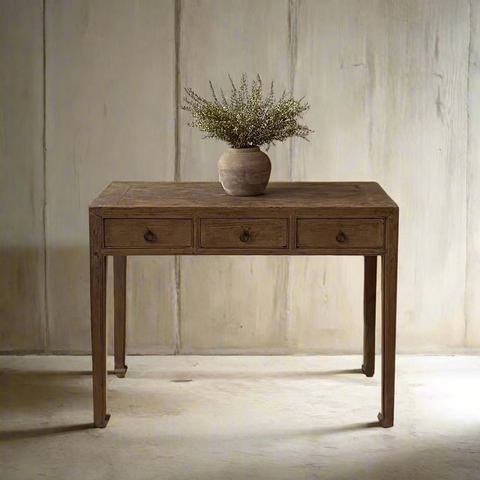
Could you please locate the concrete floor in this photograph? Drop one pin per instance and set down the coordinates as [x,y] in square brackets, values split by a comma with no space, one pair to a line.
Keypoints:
[300,417]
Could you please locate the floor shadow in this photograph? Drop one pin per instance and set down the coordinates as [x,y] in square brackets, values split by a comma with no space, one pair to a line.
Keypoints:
[45,373]
[49,373]
[8,435]
[313,432]
[24,391]
[343,428]
[318,432]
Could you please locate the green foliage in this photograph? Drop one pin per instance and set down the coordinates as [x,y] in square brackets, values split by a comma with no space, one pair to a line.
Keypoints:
[248,119]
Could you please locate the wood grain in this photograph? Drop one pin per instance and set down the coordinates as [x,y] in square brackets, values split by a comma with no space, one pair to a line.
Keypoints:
[142,196]
[389,322]
[120,314]
[340,233]
[244,234]
[109,76]
[22,246]
[98,315]
[369,312]
[151,233]
[267,235]
[217,227]
[244,251]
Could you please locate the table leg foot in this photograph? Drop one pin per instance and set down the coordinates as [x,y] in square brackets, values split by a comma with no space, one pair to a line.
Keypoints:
[121,371]
[383,422]
[368,371]
[102,423]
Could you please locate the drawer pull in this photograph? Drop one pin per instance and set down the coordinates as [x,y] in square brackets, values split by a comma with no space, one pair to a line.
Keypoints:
[149,236]
[341,237]
[245,237]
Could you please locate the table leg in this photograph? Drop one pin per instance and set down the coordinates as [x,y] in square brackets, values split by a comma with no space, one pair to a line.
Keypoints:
[389,317]
[98,297]
[369,307]
[120,304]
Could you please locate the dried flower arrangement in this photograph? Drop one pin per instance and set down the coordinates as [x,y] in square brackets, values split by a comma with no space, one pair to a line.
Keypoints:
[249,119]
[246,122]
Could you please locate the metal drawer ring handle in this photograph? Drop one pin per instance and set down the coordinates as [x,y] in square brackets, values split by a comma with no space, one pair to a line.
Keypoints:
[245,236]
[149,236]
[341,237]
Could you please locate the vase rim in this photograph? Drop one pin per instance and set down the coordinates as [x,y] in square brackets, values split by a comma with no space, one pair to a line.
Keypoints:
[245,149]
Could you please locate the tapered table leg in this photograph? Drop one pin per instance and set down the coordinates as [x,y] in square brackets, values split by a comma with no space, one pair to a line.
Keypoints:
[120,314]
[98,296]
[369,307]
[389,319]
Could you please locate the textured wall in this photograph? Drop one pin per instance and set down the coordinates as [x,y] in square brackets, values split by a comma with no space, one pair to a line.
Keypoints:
[395,92]
[472,314]
[22,247]
[231,302]
[389,80]
[110,75]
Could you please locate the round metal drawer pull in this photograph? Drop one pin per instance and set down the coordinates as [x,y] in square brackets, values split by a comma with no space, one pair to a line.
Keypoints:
[245,237]
[149,236]
[341,237]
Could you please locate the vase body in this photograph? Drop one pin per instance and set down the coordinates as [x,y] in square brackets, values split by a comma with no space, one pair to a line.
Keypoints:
[244,172]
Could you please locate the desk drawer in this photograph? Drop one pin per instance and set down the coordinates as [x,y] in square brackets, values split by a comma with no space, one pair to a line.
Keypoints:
[340,233]
[244,233]
[148,233]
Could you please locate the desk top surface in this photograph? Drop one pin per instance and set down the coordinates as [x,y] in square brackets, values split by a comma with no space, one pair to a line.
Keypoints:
[165,195]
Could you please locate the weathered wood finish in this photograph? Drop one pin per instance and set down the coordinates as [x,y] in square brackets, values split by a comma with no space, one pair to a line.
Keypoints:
[389,321]
[269,225]
[340,233]
[120,313]
[98,302]
[132,208]
[148,233]
[156,198]
[244,234]
[369,311]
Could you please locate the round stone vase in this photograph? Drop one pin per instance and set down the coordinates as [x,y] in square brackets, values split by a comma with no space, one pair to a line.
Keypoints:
[244,172]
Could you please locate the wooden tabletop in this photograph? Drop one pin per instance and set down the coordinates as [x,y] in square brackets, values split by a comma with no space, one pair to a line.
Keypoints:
[121,196]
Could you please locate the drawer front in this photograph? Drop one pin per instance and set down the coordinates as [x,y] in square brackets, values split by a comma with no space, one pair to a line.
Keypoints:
[244,233]
[146,233]
[340,233]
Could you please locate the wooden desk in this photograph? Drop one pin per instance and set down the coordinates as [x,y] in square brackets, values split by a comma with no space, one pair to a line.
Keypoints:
[167,218]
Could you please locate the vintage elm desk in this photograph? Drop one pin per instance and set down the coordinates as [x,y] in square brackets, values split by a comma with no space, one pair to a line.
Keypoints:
[168,218]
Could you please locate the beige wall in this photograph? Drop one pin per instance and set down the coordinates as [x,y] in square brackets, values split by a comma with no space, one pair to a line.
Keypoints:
[395,92]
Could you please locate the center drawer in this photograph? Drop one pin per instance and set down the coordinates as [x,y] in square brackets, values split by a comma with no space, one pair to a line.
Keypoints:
[148,233]
[244,233]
